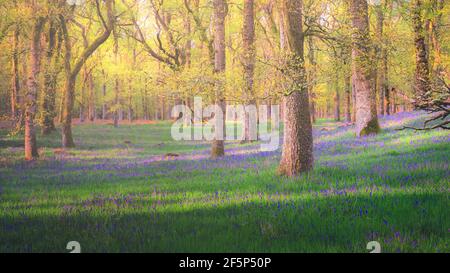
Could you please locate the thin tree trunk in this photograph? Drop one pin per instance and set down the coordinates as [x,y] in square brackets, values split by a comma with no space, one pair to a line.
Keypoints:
[15,85]
[353,100]
[83,94]
[116,102]
[329,108]
[248,60]
[31,151]
[337,100]
[130,102]
[381,54]
[297,156]
[366,111]
[91,88]
[388,4]
[104,96]
[220,13]
[348,99]
[312,77]
[188,45]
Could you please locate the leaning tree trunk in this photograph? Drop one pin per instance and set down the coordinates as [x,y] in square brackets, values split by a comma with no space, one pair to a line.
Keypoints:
[72,73]
[297,156]
[248,60]
[220,12]
[31,151]
[366,111]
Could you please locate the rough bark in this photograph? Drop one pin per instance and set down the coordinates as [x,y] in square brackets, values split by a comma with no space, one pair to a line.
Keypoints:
[297,156]
[366,111]
[31,151]
[220,13]
[422,84]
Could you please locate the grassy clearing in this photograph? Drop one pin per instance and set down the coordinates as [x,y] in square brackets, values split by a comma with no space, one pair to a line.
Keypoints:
[117,193]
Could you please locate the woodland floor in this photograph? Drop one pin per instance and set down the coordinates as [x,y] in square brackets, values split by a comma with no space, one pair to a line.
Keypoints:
[119,192]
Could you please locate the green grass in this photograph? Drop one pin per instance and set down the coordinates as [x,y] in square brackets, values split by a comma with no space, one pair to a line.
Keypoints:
[117,197]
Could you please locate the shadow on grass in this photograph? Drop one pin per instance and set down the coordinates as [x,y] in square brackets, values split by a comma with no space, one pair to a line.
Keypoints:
[400,222]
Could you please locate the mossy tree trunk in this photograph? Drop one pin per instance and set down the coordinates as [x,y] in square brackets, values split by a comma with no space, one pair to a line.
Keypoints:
[362,70]
[422,84]
[48,100]
[297,156]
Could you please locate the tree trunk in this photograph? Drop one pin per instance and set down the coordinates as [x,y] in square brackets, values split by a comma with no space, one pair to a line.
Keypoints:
[220,13]
[188,45]
[337,101]
[381,59]
[348,99]
[297,156]
[435,29]
[83,94]
[67,138]
[31,151]
[353,100]
[248,60]
[15,84]
[312,77]
[69,90]
[48,111]
[329,108]
[91,88]
[116,103]
[366,111]
[72,73]
[104,95]
[130,104]
[422,84]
